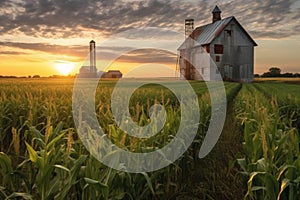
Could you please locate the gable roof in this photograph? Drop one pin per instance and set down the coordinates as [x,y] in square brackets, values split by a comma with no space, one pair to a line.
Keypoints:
[206,34]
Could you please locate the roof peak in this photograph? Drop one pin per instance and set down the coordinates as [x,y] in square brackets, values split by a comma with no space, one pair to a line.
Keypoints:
[216,10]
[224,19]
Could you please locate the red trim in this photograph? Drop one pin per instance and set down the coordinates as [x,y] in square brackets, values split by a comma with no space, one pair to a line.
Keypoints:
[207,48]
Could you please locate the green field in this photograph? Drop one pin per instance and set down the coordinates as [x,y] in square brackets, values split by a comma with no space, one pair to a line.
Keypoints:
[42,157]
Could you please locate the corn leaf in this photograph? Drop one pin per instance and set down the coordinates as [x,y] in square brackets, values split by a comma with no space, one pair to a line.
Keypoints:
[32,153]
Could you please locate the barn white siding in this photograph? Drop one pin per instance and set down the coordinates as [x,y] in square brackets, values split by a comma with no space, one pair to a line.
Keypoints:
[201,62]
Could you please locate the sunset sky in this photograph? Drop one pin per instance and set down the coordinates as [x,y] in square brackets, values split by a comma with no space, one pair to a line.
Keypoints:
[49,37]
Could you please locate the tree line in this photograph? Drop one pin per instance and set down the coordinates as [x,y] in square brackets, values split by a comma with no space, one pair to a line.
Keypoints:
[276,72]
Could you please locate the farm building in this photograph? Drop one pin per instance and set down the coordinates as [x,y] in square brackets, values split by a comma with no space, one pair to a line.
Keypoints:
[222,46]
[85,72]
[91,70]
[112,74]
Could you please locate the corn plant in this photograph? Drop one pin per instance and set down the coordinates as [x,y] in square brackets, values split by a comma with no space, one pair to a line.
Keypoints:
[270,166]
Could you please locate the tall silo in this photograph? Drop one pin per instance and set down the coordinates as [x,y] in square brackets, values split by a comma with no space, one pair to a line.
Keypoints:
[93,69]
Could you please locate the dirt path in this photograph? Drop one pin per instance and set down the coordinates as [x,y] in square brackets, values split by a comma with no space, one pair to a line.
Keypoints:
[214,177]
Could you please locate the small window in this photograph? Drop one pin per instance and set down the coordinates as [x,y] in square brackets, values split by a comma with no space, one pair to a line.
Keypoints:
[228,32]
[217,58]
[218,49]
[202,70]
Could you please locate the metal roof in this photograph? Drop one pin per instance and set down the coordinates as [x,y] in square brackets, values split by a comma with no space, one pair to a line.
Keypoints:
[206,34]
[216,10]
[211,31]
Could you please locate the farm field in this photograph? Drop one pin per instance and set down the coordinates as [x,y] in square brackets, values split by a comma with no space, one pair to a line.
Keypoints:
[284,80]
[42,156]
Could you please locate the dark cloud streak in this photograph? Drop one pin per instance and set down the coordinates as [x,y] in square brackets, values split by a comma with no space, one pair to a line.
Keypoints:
[149,56]
[78,51]
[103,52]
[11,53]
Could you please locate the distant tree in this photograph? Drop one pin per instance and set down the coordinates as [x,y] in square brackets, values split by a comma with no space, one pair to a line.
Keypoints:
[36,76]
[276,72]
[266,74]
[288,75]
[256,75]
[29,76]
[273,72]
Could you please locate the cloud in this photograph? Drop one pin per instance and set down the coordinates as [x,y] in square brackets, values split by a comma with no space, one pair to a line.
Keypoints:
[266,19]
[73,18]
[149,56]
[78,51]
[11,53]
[141,56]
[68,18]
[103,52]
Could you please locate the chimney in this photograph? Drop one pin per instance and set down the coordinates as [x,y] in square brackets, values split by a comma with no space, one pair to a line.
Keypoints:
[92,56]
[189,27]
[216,14]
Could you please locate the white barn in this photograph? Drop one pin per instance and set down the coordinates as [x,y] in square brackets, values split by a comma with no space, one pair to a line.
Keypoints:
[222,46]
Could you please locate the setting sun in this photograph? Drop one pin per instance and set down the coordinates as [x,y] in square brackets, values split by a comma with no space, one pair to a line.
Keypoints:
[64,67]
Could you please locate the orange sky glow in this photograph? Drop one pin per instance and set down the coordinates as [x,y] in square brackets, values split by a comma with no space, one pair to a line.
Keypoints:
[46,49]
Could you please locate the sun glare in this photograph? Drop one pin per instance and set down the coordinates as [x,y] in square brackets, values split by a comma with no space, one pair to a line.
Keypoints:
[64,67]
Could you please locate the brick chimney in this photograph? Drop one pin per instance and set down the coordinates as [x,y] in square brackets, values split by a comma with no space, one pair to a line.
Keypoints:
[216,14]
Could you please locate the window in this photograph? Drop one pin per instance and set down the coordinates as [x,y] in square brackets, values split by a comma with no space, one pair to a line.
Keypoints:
[202,70]
[218,49]
[228,32]
[217,58]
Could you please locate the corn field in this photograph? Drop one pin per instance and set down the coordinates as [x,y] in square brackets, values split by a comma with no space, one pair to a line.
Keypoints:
[42,156]
[269,114]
